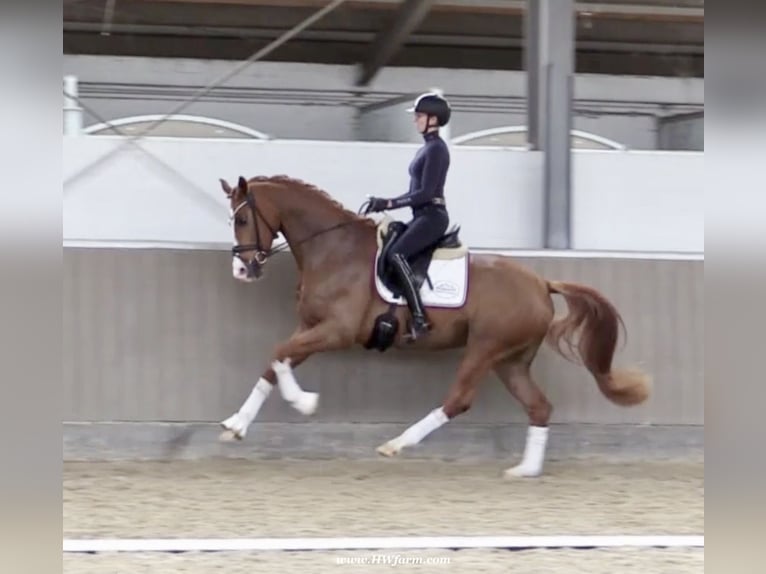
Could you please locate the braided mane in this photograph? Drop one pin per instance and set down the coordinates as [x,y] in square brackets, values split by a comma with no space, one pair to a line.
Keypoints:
[310,189]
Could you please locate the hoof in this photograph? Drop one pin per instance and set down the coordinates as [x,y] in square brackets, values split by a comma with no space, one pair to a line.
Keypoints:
[233,429]
[307,403]
[520,471]
[229,436]
[388,450]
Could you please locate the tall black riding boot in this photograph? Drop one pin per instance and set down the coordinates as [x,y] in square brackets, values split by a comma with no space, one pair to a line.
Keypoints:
[420,324]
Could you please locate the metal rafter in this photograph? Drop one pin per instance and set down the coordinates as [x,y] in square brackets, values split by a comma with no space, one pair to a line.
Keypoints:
[108,16]
[409,16]
[258,55]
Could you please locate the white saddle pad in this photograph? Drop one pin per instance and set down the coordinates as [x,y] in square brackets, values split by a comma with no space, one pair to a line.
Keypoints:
[449,278]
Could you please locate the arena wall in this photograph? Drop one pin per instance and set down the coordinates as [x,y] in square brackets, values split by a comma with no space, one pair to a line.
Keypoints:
[168,335]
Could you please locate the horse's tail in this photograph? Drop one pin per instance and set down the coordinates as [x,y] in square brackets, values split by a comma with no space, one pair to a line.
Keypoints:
[600,322]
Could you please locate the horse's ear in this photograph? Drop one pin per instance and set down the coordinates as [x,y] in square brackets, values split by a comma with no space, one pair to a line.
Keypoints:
[242,185]
[226,187]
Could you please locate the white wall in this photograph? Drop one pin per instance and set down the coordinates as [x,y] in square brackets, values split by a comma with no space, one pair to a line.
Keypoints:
[622,200]
[652,201]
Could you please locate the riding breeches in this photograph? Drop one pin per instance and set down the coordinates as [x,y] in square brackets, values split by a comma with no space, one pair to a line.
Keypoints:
[421,232]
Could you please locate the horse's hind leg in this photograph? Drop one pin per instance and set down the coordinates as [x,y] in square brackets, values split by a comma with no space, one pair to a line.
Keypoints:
[474,367]
[516,376]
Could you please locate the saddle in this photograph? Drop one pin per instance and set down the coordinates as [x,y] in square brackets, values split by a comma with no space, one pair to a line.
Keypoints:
[448,246]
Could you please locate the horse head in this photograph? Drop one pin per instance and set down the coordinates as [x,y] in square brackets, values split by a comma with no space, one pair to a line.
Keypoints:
[264,206]
[256,223]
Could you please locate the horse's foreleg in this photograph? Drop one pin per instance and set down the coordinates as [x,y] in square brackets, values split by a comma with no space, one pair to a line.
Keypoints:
[305,402]
[517,379]
[322,337]
[473,368]
[237,424]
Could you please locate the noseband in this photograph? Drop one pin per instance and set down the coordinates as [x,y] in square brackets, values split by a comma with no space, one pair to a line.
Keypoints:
[260,255]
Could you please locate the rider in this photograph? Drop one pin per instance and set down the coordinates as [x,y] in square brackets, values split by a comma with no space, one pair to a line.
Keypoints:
[428,172]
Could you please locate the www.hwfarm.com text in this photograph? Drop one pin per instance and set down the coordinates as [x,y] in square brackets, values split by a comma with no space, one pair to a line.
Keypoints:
[393,560]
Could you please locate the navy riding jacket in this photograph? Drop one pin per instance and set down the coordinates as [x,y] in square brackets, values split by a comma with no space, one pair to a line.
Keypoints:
[428,172]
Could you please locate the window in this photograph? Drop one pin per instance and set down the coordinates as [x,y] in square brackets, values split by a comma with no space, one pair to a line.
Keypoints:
[516,137]
[177,126]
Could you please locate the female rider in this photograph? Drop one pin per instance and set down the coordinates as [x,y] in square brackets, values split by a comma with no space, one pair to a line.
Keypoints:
[428,172]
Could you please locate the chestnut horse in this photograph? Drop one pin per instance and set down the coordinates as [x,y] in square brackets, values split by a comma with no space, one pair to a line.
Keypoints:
[507,314]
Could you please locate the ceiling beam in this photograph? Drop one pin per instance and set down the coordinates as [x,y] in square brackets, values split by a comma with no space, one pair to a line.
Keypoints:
[409,16]
[666,10]
[466,40]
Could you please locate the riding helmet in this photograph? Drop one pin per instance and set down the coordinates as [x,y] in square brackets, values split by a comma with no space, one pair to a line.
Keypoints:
[433,104]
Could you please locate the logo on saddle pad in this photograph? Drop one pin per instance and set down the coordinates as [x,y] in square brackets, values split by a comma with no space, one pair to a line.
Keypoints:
[446,289]
[441,271]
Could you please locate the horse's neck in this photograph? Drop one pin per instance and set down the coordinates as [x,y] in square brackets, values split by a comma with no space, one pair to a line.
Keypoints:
[311,226]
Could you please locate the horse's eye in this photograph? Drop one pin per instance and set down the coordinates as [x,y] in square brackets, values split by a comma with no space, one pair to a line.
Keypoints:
[240,221]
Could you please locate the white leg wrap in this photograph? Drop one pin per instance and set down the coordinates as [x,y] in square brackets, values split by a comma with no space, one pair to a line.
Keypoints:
[415,433]
[423,428]
[288,386]
[303,401]
[241,420]
[534,454]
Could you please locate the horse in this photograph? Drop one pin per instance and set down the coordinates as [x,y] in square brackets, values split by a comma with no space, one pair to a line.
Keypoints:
[345,298]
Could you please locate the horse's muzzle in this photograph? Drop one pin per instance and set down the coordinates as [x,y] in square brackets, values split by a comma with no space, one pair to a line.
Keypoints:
[246,271]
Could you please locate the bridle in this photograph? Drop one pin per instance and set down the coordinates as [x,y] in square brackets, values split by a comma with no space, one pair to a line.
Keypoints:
[261,255]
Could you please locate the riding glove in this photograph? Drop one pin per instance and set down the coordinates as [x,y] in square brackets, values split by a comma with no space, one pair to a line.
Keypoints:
[378,204]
